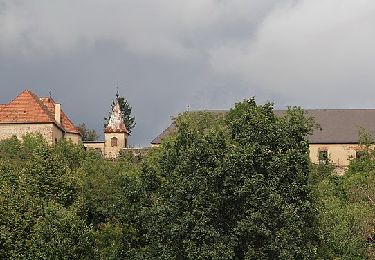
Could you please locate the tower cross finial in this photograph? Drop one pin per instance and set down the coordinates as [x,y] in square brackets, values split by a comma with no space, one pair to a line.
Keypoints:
[117,95]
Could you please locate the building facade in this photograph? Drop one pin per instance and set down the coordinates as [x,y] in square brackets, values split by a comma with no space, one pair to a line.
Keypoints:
[335,141]
[28,113]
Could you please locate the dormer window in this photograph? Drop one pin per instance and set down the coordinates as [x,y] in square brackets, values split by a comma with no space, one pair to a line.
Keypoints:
[114,141]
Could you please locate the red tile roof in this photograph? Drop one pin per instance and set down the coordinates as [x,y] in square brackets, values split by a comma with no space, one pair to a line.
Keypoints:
[64,120]
[28,108]
[120,129]
[68,125]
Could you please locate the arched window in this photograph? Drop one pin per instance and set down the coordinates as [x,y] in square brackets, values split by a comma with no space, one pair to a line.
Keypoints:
[114,141]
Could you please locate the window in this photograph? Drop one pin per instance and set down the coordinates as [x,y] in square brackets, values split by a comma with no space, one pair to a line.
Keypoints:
[323,157]
[114,141]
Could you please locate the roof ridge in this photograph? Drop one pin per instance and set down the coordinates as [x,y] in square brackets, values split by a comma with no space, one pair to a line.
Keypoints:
[49,98]
[26,107]
[65,122]
[40,103]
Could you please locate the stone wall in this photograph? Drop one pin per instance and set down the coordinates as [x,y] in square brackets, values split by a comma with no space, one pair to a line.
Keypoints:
[75,138]
[57,134]
[49,131]
[97,146]
[113,151]
[338,154]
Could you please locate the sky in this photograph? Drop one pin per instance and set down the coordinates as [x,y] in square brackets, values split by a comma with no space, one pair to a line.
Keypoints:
[167,55]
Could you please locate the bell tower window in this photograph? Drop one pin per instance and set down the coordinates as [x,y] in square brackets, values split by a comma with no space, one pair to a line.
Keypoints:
[114,141]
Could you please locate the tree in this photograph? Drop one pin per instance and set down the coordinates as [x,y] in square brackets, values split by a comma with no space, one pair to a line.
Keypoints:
[233,187]
[87,134]
[126,111]
[346,206]
[62,202]
[38,193]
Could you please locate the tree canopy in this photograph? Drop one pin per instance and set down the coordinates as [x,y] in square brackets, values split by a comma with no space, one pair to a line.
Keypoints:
[346,206]
[87,134]
[126,111]
[234,185]
[61,202]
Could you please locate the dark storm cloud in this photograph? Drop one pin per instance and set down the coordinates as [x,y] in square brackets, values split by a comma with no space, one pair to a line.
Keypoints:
[167,54]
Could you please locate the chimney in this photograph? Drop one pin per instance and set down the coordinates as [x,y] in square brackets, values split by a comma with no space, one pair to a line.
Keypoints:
[58,113]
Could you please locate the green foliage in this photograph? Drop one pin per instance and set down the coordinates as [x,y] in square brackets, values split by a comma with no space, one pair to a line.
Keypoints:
[87,134]
[60,202]
[346,207]
[224,186]
[126,111]
[36,192]
[60,234]
[232,187]
[344,224]
[11,149]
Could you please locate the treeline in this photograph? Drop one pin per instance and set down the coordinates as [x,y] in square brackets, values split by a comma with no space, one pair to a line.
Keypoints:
[233,186]
[345,207]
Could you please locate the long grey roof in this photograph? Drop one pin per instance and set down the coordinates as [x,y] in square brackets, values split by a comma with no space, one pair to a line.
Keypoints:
[337,126]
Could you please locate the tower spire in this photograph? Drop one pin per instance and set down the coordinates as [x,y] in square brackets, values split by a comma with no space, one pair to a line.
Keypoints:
[116,123]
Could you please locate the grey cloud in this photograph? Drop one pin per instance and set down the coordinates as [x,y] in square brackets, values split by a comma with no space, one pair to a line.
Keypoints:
[318,53]
[161,27]
[167,54]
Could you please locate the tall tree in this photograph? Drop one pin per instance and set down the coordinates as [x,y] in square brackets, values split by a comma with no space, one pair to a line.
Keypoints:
[346,205]
[233,187]
[87,134]
[39,187]
[126,111]
[62,202]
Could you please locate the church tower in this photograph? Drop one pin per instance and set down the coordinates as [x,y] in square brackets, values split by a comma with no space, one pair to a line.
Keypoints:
[115,133]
